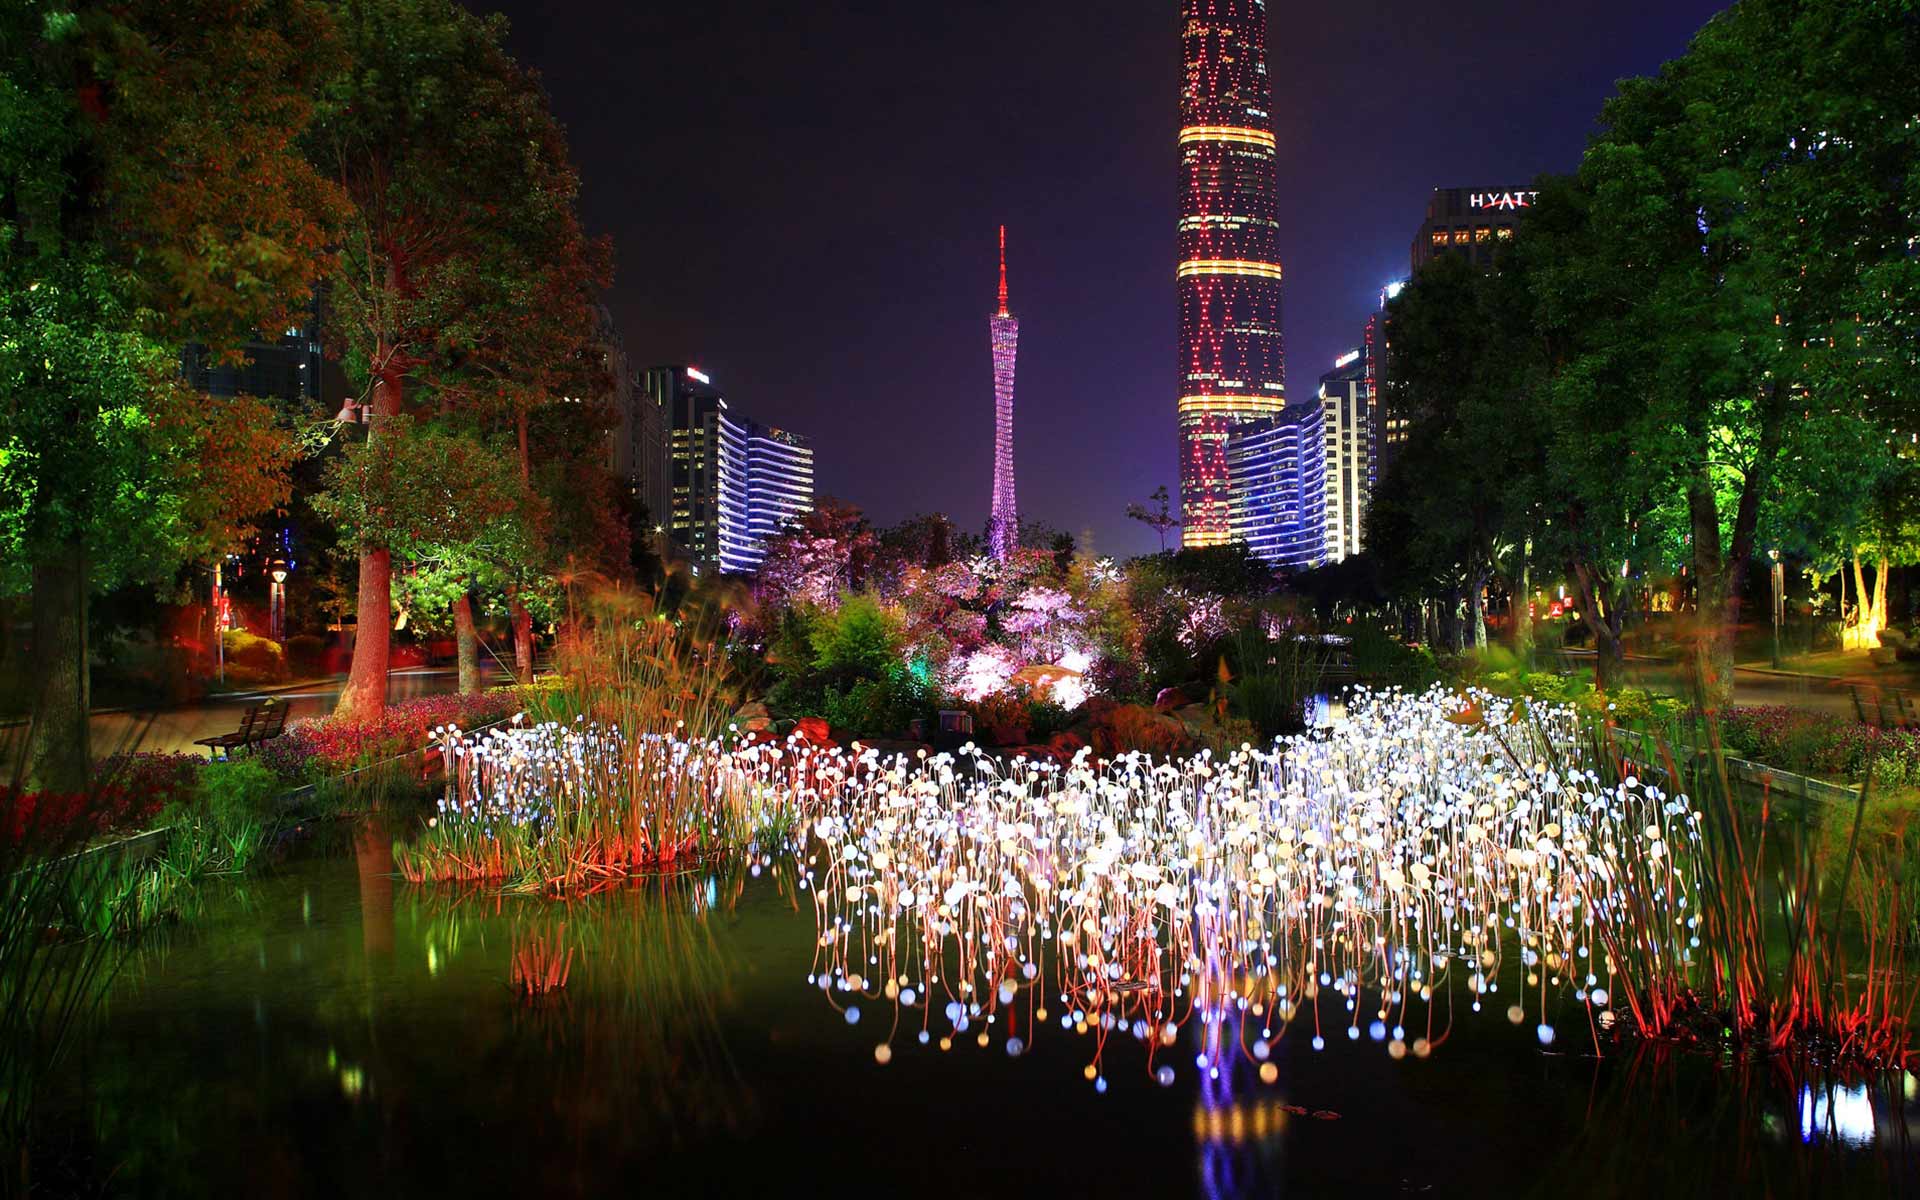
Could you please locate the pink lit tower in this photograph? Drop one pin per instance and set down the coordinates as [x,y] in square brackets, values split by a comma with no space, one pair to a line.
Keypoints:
[1003,524]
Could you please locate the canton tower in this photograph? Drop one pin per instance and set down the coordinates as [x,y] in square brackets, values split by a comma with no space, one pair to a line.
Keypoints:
[1003,523]
[1228,279]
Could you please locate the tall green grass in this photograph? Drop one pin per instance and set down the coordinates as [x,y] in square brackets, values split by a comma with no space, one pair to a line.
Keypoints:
[1802,941]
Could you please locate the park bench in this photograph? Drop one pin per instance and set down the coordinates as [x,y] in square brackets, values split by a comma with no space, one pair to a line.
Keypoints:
[1888,708]
[263,722]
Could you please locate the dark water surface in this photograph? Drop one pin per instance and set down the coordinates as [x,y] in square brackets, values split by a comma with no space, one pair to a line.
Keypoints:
[328,1030]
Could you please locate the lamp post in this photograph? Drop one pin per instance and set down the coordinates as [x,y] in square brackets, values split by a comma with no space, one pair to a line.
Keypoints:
[1779,602]
[277,601]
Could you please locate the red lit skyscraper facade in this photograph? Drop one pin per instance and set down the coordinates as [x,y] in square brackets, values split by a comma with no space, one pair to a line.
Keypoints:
[1228,279]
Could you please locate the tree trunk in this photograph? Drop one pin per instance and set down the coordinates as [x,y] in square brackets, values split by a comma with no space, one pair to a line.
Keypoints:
[468,643]
[1722,577]
[1880,594]
[1452,628]
[1477,611]
[522,641]
[1523,608]
[1718,601]
[366,692]
[58,750]
[522,619]
[1603,620]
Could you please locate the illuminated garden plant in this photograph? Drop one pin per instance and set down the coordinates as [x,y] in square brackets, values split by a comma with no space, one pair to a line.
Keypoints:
[1363,879]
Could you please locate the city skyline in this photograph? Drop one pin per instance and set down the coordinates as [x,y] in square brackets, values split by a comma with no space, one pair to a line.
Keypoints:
[833,277]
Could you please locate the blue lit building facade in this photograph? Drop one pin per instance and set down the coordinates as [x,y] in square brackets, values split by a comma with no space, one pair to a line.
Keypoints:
[1277,502]
[734,482]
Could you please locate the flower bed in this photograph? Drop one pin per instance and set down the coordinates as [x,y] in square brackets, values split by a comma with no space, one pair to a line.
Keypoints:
[1811,743]
[331,745]
[128,791]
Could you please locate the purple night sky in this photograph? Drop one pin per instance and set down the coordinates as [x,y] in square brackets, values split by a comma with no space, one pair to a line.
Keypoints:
[804,198]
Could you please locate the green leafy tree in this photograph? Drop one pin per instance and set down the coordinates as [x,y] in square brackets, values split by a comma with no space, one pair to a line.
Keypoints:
[151,192]
[1753,203]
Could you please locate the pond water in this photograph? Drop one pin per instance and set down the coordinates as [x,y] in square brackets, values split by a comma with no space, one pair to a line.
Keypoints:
[326,1029]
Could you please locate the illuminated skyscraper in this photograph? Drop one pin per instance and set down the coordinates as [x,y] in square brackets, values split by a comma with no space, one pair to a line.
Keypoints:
[1279,495]
[735,481]
[1003,522]
[1347,427]
[1228,279]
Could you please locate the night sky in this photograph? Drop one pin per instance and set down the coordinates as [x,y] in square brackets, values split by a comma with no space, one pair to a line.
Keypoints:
[803,201]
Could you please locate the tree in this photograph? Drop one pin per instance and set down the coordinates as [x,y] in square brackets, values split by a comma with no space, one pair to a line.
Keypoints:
[1159,517]
[1752,206]
[827,550]
[448,152]
[1466,372]
[151,192]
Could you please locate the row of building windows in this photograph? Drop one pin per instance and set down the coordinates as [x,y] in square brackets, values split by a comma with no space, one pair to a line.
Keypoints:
[1464,235]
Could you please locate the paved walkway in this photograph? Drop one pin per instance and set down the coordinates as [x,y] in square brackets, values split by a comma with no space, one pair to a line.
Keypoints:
[178,728]
[1751,684]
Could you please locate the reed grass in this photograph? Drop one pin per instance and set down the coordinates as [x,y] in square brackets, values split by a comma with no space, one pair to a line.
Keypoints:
[1794,958]
[619,774]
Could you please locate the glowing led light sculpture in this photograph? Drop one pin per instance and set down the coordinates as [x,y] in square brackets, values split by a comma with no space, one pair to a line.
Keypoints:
[1003,526]
[1228,276]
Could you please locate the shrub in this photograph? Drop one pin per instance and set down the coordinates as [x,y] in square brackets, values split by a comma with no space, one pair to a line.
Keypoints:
[311,750]
[1046,718]
[306,652]
[1379,657]
[877,707]
[252,659]
[129,791]
[237,790]
[861,638]
[1627,705]
[1001,718]
[1129,727]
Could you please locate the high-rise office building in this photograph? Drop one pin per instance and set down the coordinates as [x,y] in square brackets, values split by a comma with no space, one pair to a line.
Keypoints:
[639,439]
[1347,426]
[1376,343]
[1003,330]
[1278,497]
[1469,221]
[1232,368]
[733,481]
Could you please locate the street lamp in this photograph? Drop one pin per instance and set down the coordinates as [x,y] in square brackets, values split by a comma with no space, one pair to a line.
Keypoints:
[277,600]
[1779,602]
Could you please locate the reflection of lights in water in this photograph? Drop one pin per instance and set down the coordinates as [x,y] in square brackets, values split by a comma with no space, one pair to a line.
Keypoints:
[1843,1114]
[1326,711]
[1344,878]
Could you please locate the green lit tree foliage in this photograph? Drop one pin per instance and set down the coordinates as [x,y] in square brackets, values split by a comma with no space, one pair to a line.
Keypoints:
[1712,320]
[1754,204]
[151,192]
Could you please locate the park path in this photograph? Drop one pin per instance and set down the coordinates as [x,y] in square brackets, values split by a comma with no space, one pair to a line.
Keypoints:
[1751,685]
[176,729]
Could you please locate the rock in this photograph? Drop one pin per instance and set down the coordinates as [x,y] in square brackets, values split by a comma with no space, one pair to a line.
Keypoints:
[815,731]
[1169,699]
[1066,742]
[752,717]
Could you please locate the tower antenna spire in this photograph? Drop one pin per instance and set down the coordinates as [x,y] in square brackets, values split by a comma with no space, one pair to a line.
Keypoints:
[1003,271]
